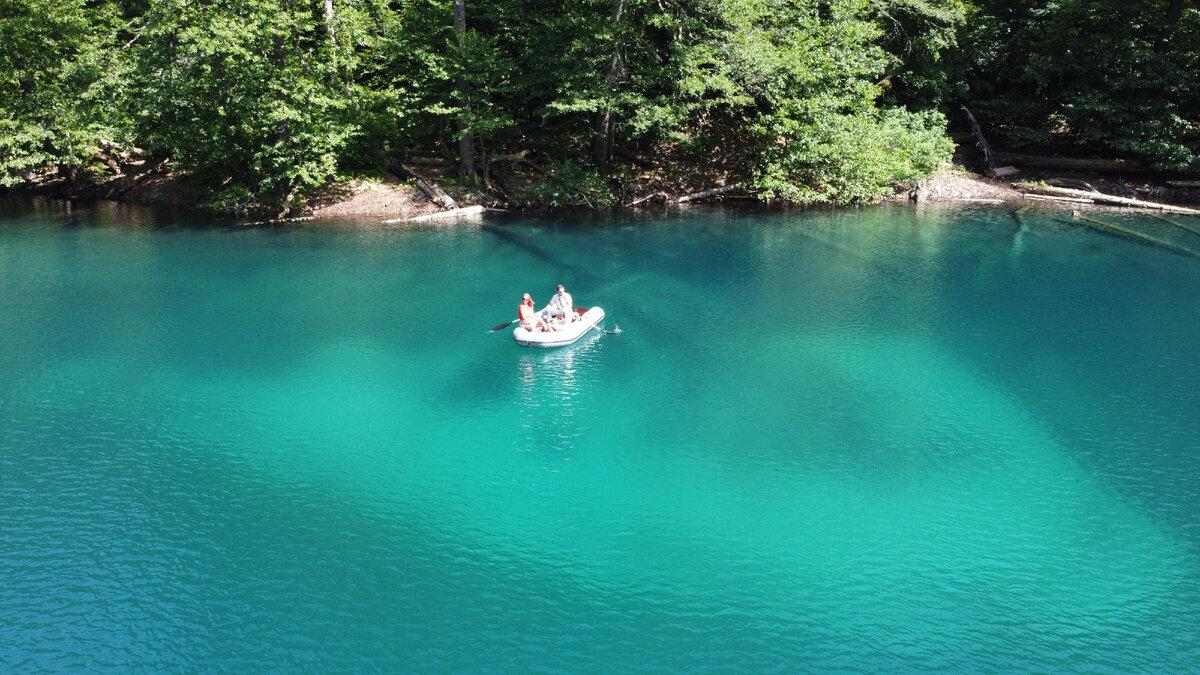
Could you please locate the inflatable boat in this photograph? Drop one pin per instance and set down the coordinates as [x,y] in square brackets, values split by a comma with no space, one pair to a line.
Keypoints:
[566,334]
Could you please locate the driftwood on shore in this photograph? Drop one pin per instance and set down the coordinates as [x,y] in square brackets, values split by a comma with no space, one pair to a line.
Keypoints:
[431,190]
[705,194]
[1052,198]
[653,196]
[276,221]
[1101,198]
[464,212]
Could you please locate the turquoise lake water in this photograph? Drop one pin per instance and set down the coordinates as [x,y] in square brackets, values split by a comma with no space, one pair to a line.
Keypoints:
[953,439]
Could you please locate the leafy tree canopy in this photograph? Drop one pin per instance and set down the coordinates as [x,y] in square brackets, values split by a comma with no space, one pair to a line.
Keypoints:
[802,100]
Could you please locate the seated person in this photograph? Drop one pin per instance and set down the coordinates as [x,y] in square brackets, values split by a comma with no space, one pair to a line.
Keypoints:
[528,316]
[561,307]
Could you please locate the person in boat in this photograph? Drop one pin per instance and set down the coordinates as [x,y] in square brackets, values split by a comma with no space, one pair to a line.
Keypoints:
[562,306]
[529,317]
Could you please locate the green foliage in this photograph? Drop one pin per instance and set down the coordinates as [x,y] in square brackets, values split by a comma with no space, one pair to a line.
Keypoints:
[60,74]
[826,156]
[829,101]
[248,95]
[796,86]
[1091,76]
[569,184]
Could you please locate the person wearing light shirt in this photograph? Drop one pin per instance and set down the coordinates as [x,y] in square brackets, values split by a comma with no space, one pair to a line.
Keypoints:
[561,307]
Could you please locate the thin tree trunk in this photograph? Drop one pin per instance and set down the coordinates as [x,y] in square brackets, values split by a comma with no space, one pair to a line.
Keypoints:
[989,158]
[333,47]
[466,144]
[604,127]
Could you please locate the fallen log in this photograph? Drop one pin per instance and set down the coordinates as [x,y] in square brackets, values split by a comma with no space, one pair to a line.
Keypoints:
[464,212]
[1071,162]
[106,156]
[657,196]
[705,194]
[1050,198]
[431,190]
[1130,234]
[1072,183]
[1179,225]
[1101,198]
[275,221]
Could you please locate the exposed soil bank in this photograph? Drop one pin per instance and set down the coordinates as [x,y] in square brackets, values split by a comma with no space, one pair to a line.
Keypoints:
[375,199]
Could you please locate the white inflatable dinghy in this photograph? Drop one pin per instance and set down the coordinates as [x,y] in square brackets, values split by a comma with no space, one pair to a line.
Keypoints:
[565,334]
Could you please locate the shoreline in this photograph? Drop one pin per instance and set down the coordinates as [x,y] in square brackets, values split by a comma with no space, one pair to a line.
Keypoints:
[388,198]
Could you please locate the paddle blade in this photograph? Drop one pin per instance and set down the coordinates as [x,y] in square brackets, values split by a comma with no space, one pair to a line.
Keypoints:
[502,326]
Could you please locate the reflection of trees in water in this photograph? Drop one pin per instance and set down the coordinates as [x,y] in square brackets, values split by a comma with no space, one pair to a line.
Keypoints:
[550,387]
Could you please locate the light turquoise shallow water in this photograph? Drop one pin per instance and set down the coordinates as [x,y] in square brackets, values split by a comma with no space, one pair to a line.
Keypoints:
[936,439]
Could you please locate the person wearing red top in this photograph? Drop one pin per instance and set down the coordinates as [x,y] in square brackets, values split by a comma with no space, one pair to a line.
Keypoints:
[528,316]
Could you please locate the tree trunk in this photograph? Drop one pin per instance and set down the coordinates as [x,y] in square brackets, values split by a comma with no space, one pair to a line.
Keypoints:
[1101,198]
[466,144]
[603,124]
[706,194]
[989,158]
[431,190]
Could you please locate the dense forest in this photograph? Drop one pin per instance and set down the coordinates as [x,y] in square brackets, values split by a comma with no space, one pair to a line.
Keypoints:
[264,101]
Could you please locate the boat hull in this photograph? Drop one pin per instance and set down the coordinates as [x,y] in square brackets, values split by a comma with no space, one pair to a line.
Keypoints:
[565,335]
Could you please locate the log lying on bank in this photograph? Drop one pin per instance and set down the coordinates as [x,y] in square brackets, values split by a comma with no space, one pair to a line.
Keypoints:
[276,221]
[1050,198]
[695,196]
[435,193]
[1073,163]
[453,214]
[653,196]
[1101,198]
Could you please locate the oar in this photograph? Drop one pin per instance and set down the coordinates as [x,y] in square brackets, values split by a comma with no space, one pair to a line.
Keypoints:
[503,326]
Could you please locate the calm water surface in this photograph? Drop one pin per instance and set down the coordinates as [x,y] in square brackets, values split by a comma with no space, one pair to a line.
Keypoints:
[892,438]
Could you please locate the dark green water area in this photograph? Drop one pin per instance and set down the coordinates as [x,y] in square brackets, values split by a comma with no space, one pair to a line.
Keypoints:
[891,438]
